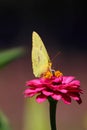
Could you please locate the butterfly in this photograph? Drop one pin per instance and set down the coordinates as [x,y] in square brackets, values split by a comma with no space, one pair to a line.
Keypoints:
[40,59]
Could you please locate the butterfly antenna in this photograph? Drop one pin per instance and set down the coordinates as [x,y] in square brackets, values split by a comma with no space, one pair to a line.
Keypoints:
[56,55]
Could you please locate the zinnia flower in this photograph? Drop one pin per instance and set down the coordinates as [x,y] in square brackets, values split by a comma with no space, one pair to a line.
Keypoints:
[54,85]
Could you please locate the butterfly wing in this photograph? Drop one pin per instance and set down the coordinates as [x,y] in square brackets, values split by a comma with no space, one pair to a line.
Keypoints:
[40,57]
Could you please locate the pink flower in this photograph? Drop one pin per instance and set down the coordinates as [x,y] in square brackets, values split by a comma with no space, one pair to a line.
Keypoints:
[55,86]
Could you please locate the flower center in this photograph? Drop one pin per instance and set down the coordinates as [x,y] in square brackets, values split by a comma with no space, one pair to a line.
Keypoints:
[49,74]
[58,73]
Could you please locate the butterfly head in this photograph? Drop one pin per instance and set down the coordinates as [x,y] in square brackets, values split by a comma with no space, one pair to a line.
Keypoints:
[51,72]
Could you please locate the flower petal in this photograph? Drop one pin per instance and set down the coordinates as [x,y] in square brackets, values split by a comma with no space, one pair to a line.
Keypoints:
[71,89]
[66,99]
[56,96]
[79,101]
[29,93]
[41,98]
[67,79]
[65,87]
[47,93]
[35,83]
[58,80]
[76,96]
[63,91]
[75,83]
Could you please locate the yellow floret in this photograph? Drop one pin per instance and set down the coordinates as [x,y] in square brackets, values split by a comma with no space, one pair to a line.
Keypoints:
[58,73]
[48,74]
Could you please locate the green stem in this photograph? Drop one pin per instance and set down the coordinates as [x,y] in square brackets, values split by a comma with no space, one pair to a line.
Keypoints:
[52,108]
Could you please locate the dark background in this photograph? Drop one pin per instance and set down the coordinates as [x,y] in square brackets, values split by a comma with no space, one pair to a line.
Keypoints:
[64,21]
[62,26]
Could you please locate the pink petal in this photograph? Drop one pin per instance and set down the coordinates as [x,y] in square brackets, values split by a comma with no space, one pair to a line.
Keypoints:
[67,79]
[72,86]
[47,93]
[63,91]
[73,89]
[56,97]
[39,89]
[75,82]
[66,99]
[59,79]
[75,96]
[34,82]
[79,101]
[29,93]
[41,98]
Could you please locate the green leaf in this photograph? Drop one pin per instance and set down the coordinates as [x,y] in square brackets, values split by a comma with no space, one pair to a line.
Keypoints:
[4,123]
[9,55]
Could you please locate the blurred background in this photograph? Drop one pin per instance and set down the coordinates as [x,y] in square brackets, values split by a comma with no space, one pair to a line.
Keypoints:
[62,26]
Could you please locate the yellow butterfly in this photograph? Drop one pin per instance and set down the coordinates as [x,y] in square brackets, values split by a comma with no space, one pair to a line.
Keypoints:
[40,58]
